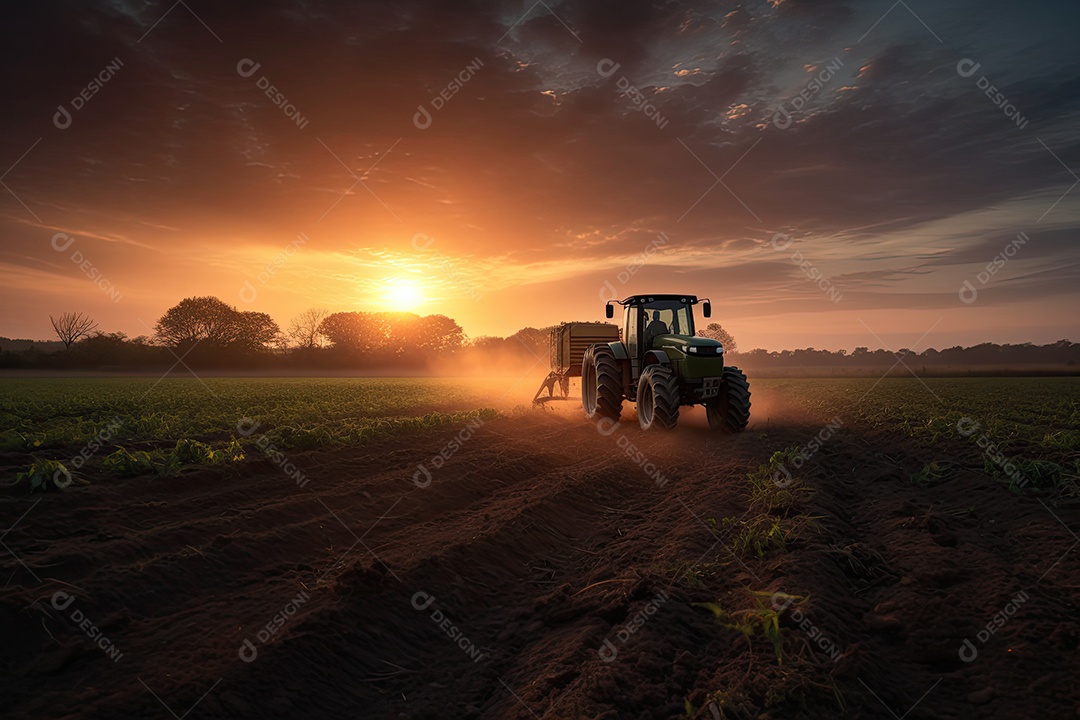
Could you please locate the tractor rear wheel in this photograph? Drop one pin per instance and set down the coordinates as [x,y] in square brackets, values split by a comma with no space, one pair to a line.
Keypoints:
[658,398]
[730,411]
[601,384]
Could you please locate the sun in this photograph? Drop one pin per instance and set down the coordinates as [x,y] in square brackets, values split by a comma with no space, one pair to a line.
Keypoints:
[403,294]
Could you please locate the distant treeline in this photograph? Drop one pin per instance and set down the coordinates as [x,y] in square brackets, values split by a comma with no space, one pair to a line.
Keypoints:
[1061,353]
[206,332]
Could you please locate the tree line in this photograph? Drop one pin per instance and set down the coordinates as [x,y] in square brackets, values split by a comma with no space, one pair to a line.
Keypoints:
[207,332]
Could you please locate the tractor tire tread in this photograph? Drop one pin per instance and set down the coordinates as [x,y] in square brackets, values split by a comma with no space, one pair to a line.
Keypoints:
[736,414]
[608,381]
[666,397]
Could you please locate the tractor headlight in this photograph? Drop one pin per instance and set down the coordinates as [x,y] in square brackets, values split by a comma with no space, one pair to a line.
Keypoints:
[693,349]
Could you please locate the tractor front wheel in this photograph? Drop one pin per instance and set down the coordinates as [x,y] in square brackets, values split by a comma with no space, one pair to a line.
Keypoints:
[658,398]
[601,384]
[730,411]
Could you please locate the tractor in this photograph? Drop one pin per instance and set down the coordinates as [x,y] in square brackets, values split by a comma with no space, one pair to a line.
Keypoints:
[655,361]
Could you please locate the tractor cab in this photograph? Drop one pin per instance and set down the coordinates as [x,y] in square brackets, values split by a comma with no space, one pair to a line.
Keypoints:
[653,322]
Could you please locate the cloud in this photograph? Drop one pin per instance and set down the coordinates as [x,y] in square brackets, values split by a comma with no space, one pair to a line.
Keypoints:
[538,169]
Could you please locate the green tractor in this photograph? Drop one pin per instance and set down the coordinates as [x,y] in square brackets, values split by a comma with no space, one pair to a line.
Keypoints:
[661,365]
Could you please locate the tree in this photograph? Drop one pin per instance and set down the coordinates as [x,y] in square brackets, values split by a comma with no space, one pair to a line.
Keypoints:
[439,333]
[384,335]
[714,331]
[533,341]
[404,333]
[254,331]
[304,328]
[487,343]
[72,326]
[103,348]
[356,331]
[216,326]
[198,320]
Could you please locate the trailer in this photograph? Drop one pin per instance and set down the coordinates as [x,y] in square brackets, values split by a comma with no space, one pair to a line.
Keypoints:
[568,344]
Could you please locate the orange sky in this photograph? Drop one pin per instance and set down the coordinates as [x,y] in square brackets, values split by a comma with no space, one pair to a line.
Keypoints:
[497,168]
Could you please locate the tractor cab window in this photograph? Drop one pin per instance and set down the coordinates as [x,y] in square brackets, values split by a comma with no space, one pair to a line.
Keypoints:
[664,317]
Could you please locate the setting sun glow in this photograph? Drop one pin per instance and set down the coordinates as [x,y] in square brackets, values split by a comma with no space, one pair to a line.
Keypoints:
[403,295]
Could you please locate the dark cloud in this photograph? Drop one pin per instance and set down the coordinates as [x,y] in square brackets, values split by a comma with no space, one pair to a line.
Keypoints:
[538,152]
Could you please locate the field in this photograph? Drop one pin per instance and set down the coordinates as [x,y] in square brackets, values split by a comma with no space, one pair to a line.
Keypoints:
[430,548]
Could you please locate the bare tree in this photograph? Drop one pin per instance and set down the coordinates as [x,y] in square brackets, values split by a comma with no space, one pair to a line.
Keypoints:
[70,327]
[304,329]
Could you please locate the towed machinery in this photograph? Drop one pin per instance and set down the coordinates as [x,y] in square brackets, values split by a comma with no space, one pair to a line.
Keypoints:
[654,359]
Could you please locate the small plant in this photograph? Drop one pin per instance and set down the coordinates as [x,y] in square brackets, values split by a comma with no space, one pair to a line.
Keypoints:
[933,473]
[760,534]
[939,426]
[287,437]
[773,487]
[694,577]
[44,474]
[12,440]
[758,620]
[129,464]
[191,452]
[715,702]
[1061,440]
[1029,473]
[233,452]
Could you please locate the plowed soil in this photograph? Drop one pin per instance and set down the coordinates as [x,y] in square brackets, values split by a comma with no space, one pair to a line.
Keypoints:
[542,573]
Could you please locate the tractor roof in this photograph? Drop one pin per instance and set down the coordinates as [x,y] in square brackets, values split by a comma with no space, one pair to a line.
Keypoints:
[638,299]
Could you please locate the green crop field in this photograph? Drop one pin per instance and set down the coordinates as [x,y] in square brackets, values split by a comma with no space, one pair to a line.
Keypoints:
[1043,411]
[133,426]
[1024,432]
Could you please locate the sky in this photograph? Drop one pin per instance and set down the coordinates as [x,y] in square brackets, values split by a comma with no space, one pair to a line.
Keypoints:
[830,174]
